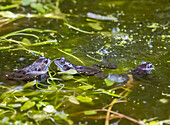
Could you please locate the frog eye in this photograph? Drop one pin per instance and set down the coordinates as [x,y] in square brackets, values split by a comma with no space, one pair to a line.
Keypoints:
[150,66]
[62,58]
[46,61]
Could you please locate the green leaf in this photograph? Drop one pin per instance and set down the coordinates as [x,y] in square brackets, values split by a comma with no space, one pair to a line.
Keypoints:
[37,115]
[61,114]
[22,99]
[40,117]
[73,99]
[26,41]
[111,93]
[163,100]
[86,87]
[67,77]
[26,2]
[81,80]
[95,26]
[38,6]
[9,7]
[106,33]
[108,82]
[84,99]
[90,112]
[33,93]
[68,50]
[7,14]
[27,105]
[35,99]
[49,109]
[14,105]
[29,84]
[7,47]
[71,71]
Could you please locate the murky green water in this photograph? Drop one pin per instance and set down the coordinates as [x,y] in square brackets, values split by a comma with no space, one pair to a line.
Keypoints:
[142,25]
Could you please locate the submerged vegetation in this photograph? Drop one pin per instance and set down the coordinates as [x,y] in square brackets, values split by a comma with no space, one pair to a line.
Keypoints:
[66,98]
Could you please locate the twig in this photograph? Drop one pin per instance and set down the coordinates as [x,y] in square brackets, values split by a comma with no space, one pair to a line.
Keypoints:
[116,113]
[112,103]
[123,116]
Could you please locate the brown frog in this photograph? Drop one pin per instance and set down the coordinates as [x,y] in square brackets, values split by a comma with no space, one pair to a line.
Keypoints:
[140,72]
[38,68]
[65,65]
[136,74]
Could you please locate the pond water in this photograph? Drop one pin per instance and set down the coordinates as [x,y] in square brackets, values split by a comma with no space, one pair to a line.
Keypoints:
[140,33]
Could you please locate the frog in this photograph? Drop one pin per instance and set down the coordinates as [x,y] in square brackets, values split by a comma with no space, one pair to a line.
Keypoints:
[64,65]
[38,69]
[140,72]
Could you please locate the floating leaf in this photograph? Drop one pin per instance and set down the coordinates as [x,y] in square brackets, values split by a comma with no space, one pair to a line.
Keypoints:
[29,84]
[22,99]
[68,50]
[26,2]
[3,48]
[71,71]
[35,99]
[14,105]
[38,6]
[29,93]
[37,115]
[84,99]
[49,109]
[8,14]
[61,115]
[67,77]
[111,93]
[95,26]
[43,103]
[106,33]
[81,80]
[163,100]
[9,7]
[73,99]
[40,117]
[26,41]
[90,112]
[86,87]
[108,82]
[27,105]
